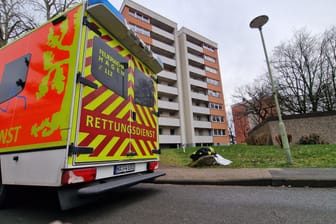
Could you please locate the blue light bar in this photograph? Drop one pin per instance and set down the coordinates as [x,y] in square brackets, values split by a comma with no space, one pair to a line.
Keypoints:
[110,7]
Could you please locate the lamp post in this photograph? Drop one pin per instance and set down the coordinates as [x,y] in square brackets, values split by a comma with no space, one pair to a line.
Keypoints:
[258,22]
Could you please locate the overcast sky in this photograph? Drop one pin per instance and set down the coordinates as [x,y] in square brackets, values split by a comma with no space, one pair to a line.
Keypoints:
[226,22]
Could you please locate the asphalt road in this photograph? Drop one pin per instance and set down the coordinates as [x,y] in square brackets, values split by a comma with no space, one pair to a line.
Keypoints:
[155,203]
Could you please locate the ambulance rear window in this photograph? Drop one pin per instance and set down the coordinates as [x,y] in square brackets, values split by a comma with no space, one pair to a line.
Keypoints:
[13,78]
[143,89]
[109,68]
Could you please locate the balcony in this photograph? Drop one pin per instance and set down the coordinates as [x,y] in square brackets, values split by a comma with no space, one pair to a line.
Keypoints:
[167,89]
[167,121]
[196,58]
[195,47]
[162,32]
[202,124]
[198,83]
[169,139]
[200,96]
[201,110]
[197,70]
[162,45]
[168,105]
[169,61]
[168,75]
[203,139]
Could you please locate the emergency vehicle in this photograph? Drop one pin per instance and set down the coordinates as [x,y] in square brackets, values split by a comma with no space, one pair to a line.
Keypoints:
[79,106]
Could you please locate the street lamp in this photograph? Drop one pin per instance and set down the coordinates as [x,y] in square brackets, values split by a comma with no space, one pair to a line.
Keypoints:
[258,22]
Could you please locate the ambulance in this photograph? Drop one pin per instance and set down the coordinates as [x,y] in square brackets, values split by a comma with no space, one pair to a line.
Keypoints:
[79,106]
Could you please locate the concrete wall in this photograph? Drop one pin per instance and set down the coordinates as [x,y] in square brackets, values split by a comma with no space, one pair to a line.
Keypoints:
[323,124]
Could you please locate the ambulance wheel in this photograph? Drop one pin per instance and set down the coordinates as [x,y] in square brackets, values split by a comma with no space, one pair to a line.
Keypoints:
[3,193]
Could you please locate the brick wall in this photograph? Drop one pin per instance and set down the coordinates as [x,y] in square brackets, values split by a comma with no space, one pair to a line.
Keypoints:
[323,124]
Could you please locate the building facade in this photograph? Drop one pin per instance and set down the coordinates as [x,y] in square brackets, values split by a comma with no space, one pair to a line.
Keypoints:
[191,98]
[249,114]
[241,122]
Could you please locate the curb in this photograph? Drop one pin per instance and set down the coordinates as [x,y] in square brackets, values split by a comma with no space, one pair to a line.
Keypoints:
[255,182]
[292,177]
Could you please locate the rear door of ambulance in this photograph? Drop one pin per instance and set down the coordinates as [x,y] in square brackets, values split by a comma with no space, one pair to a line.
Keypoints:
[117,119]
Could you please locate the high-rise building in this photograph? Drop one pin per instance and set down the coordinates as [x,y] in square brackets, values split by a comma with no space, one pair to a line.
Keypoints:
[191,98]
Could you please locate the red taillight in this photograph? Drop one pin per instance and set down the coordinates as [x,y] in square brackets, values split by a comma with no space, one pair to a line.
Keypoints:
[78,176]
[153,166]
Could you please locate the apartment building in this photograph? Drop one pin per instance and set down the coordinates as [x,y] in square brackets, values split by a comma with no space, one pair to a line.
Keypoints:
[191,99]
[203,97]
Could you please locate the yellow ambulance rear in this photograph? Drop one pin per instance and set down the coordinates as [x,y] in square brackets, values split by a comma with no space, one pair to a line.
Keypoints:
[79,106]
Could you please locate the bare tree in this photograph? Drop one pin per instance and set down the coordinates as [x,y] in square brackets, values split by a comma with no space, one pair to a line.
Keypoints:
[329,52]
[20,16]
[304,70]
[305,76]
[258,100]
[13,20]
[51,8]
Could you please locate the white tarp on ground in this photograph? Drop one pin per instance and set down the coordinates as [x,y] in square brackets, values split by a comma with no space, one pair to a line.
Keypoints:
[222,161]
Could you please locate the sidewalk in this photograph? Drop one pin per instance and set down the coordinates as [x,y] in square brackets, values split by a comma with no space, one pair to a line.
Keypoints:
[295,177]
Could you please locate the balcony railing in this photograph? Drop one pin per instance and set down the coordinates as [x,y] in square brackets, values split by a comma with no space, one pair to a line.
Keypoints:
[203,139]
[168,75]
[195,58]
[167,89]
[201,110]
[168,105]
[168,139]
[162,45]
[166,121]
[197,70]
[162,32]
[169,61]
[198,83]
[202,124]
[200,96]
[195,47]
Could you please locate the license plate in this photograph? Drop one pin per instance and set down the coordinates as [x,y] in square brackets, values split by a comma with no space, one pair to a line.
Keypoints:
[124,168]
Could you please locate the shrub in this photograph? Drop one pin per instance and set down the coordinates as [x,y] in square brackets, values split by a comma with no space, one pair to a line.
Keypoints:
[262,139]
[311,139]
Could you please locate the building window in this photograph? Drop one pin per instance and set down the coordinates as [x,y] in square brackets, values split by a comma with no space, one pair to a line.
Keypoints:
[219,132]
[218,119]
[208,58]
[212,81]
[213,93]
[209,69]
[216,106]
[139,16]
[209,48]
[140,30]
[172,131]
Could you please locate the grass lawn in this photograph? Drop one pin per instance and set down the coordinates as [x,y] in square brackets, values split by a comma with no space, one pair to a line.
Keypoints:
[246,156]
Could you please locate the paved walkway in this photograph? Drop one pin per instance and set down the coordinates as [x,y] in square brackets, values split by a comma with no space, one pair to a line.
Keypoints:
[296,177]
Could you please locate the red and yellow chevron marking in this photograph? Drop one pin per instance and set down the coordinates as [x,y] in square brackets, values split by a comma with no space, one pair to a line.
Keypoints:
[106,118]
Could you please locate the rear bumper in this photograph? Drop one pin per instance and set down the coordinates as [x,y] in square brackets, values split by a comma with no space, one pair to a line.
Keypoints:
[73,196]
[114,183]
